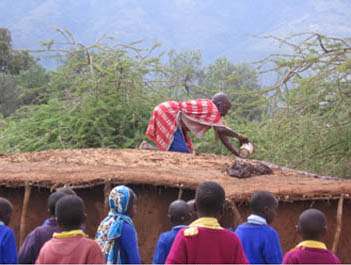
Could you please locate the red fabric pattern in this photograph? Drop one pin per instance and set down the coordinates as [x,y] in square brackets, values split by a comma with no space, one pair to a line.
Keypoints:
[163,121]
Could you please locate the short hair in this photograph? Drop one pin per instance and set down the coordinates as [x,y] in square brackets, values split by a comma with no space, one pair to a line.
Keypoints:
[67,190]
[5,208]
[261,199]
[222,97]
[52,200]
[209,197]
[312,223]
[179,211]
[70,211]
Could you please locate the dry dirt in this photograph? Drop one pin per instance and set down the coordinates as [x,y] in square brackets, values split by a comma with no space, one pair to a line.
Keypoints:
[94,166]
[156,177]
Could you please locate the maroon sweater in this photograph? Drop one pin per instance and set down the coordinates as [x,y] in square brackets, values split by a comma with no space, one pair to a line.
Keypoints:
[310,255]
[73,250]
[204,243]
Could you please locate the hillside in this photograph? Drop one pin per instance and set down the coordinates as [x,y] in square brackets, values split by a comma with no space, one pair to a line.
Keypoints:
[217,28]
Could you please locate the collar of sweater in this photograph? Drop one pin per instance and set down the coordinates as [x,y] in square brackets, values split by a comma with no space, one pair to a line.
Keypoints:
[69,234]
[207,222]
[311,244]
[256,219]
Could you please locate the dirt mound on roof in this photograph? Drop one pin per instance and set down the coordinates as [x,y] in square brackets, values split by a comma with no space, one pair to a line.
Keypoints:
[241,169]
[131,166]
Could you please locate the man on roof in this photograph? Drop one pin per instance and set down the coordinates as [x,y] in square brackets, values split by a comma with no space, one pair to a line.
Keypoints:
[171,121]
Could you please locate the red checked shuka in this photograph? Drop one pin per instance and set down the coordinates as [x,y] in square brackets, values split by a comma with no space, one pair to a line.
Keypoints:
[197,115]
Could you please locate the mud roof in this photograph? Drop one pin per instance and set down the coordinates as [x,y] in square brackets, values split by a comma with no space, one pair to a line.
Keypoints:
[90,167]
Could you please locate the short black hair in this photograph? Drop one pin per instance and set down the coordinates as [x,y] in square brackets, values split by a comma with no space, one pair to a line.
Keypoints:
[209,198]
[5,209]
[179,211]
[52,200]
[70,211]
[261,199]
[312,223]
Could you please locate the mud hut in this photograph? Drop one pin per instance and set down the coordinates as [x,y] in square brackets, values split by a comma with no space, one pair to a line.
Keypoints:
[161,177]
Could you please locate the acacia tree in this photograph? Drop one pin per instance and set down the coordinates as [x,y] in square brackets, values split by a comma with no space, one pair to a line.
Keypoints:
[310,123]
[99,97]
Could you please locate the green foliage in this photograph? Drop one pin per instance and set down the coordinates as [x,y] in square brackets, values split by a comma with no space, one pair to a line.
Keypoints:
[309,127]
[102,96]
[12,61]
[9,95]
[98,98]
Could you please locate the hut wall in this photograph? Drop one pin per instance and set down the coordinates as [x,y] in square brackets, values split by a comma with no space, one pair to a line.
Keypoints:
[151,219]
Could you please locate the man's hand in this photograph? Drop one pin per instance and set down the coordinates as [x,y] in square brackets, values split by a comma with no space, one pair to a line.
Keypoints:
[243,139]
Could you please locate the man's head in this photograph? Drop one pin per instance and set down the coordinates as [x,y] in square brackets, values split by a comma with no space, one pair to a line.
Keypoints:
[265,204]
[52,200]
[222,102]
[70,212]
[312,224]
[179,212]
[209,199]
[6,209]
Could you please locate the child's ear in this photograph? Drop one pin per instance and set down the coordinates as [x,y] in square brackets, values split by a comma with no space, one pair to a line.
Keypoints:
[324,231]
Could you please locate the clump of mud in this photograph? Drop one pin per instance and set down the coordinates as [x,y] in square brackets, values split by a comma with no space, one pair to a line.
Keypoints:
[241,169]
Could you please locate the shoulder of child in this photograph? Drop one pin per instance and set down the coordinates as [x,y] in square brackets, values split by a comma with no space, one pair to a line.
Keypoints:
[191,231]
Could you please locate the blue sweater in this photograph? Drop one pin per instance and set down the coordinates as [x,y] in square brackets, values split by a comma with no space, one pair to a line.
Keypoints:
[128,245]
[164,244]
[8,252]
[261,243]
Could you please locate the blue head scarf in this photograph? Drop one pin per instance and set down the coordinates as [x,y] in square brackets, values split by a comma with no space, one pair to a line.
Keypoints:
[111,227]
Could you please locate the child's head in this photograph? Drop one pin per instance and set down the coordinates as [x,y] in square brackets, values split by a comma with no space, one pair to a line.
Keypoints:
[178,212]
[265,204]
[5,210]
[52,200]
[70,212]
[209,199]
[192,210]
[123,200]
[66,190]
[312,224]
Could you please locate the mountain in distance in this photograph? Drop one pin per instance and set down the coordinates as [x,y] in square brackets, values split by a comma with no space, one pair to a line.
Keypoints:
[218,28]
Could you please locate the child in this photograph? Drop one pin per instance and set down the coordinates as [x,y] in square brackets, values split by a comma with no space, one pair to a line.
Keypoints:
[312,227]
[205,241]
[71,246]
[179,214]
[116,234]
[193,215]
[260,241]
[8,253]
[67,191]
[32,244]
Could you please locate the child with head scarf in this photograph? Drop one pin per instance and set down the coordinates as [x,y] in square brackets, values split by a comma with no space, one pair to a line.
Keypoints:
[116,234]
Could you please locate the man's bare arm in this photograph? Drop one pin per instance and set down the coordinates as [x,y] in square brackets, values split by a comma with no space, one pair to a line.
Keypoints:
[228,132]
[225,140]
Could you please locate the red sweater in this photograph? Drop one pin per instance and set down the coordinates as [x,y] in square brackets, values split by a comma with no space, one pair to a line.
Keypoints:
[71,250]
[310,252]
[206,242]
